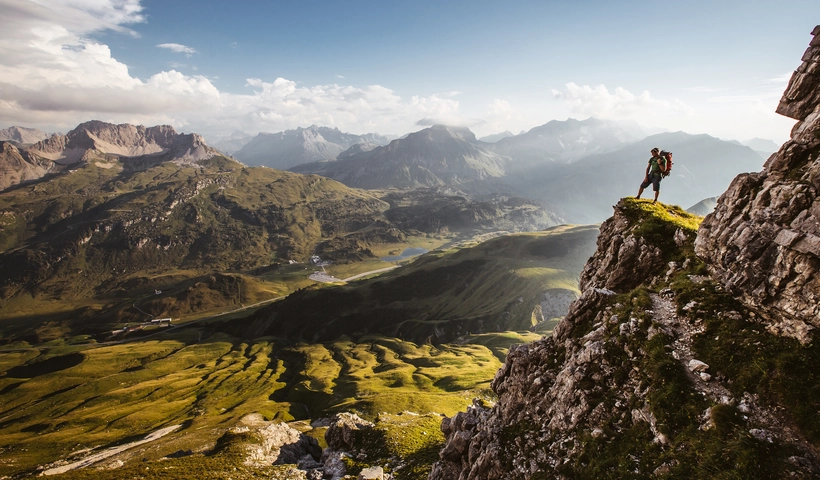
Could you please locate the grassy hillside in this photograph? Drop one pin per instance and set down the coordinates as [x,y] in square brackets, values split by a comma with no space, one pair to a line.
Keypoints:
[444,295]
[63,398]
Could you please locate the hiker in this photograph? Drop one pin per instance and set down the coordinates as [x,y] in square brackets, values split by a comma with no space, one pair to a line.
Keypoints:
[654,172]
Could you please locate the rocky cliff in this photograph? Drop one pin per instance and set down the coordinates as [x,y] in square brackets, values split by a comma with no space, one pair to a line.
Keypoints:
[763,240]
[18,165]
[672,364]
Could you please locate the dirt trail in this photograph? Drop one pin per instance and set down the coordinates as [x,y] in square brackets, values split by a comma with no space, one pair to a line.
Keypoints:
[766,424]
[683,331]
[110,452]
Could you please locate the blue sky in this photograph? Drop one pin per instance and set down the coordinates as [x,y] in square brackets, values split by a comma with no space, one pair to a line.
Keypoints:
[392,67]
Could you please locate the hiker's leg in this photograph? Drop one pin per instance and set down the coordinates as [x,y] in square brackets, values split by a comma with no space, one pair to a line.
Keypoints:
[643,185]
[656,186]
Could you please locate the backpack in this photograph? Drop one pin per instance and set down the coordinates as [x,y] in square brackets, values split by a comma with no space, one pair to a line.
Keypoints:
[668,157]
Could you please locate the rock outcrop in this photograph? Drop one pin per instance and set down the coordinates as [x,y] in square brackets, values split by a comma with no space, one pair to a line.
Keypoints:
[763,240]
[550,389]
[18,166]
[260,443]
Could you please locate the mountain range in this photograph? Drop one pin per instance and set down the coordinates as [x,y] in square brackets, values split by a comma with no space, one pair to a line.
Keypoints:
[567,141]
[108,213]
[287,149]
[576,169]
[435,156]
[584,191]
[135,147]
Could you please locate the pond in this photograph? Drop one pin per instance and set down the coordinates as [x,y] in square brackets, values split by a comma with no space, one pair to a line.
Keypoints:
[407,253]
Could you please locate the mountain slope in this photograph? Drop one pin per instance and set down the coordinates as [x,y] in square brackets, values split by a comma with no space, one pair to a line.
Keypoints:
[435,156]
[494,286]
[104,231]
[287,149]
[18,166]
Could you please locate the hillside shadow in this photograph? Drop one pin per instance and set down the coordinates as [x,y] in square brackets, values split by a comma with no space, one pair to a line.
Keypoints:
[44,367]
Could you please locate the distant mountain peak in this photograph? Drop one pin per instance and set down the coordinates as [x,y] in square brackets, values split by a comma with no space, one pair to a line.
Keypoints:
[294,147]
[22,135]
[497,136]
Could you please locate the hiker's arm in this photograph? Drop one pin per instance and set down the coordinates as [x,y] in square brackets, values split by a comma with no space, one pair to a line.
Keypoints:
[647,171]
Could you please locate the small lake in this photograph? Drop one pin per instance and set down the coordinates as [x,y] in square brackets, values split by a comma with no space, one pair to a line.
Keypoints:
[407,253]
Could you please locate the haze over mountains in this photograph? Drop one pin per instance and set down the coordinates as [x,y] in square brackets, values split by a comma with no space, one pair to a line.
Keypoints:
[303,145]
[576,169]
[22,135]
[435,156]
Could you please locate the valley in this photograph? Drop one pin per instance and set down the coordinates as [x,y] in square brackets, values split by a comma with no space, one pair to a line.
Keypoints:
[147,292]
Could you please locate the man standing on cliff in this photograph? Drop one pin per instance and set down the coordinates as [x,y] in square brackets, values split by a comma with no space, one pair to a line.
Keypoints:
[654,173]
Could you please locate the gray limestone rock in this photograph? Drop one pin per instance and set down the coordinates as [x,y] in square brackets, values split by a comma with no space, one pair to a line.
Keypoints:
[763,239]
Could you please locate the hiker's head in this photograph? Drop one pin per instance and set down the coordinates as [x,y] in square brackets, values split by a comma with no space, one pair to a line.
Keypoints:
[655,151]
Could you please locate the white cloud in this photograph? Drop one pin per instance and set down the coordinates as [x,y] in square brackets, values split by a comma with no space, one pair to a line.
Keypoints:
[54,76]
[588,101]
[502,116]
[176,47]
[781,80]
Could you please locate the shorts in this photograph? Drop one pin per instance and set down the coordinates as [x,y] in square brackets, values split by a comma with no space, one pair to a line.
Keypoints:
[654,179]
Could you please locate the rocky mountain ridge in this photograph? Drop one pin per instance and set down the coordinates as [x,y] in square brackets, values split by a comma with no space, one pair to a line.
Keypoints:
[660,370]
[96,140]
[135,146]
